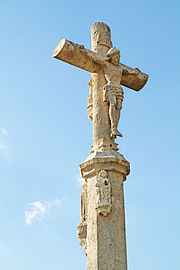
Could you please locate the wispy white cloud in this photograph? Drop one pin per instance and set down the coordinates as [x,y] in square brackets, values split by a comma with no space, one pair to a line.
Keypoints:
[37,210]
[4,131]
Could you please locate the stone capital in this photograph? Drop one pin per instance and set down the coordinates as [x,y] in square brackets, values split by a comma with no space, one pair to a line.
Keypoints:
[108,161]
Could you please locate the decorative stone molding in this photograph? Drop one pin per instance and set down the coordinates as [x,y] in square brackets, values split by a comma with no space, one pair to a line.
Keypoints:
[108,161]
[82,235]
[82,227]
[90,99]
[104,145]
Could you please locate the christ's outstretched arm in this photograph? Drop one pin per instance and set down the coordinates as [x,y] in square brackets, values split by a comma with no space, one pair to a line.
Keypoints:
[127,71]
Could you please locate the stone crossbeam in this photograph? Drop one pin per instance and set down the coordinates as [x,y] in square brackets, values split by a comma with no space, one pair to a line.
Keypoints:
[77,55]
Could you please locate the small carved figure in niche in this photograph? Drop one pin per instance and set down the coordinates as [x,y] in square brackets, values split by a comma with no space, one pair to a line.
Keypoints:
[104,204]
[113,92]
[82,227]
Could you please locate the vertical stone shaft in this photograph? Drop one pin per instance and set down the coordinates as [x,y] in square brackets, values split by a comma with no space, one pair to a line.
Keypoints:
[101,43]
[106,239]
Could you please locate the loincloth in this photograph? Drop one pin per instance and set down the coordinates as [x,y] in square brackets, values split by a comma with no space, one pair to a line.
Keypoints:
[110,90]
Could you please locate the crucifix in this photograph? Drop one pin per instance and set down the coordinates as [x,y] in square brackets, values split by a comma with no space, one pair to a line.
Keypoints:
[101,231]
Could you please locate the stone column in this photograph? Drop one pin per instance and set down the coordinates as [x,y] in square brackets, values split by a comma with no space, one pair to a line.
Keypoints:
[101,43]
[106,237]
[104,172]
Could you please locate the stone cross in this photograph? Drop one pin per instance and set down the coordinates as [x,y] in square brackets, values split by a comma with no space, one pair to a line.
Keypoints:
[102,229]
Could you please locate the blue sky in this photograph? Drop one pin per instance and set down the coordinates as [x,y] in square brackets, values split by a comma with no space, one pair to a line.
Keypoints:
[45,132]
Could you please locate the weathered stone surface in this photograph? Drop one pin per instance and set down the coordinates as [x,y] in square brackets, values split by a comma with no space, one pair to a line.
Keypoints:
[101,231]
[77,55]
[108,74]
[104,192]
[106,239]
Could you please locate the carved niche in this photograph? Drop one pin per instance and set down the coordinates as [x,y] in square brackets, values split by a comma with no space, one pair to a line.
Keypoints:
[104,200]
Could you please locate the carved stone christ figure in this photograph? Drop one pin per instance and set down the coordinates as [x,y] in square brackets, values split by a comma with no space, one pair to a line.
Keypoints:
[113,92]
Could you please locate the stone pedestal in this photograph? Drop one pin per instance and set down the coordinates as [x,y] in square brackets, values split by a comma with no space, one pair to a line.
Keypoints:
[106,237]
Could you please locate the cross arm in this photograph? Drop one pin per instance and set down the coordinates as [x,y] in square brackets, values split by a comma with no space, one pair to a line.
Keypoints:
[78,56]
[135,81]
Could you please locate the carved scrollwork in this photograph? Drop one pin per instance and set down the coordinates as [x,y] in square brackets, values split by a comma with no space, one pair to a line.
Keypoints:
[82,227]
[82,235]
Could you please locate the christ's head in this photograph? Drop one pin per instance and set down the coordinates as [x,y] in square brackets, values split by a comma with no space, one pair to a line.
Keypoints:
[114,55]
